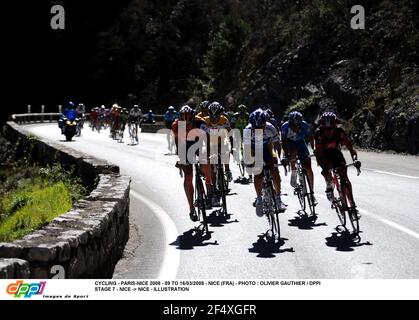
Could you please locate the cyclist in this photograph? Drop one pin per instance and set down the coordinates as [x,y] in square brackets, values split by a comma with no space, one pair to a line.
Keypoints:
[102,117]
[295,135]
[149,117]
[187,114]
[203,109]
[271,152]
[81,110]
[217,125]
[169,117]
[94,113]
[329,137]
[123,122]
[135,118]
[239,121]
[114,120]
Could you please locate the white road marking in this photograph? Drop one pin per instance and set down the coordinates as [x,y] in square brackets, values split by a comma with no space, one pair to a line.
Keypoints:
[391,223]
[383,220]
[170,265]
[395,174]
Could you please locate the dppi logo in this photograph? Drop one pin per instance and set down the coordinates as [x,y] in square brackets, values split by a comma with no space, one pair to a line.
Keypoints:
[27,290]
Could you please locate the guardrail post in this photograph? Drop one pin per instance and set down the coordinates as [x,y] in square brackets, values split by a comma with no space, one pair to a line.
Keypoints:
[42,112]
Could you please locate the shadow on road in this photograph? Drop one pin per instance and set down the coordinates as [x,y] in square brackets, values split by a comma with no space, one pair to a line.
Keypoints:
[66,140]
[344,242]
[191,239]
[218,219]
[269,248]
[305,223]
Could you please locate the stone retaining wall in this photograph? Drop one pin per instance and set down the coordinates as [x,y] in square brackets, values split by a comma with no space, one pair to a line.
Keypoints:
[86,242]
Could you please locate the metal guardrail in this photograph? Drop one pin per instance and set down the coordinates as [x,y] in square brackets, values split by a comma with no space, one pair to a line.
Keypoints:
[35,117]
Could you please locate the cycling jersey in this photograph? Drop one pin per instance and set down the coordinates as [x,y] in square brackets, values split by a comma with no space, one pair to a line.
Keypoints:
[301,135]
[332,141]
[240,121]
[328,148]
[297,141]
[270,134]
[182,137]
[269,137]
[135,115]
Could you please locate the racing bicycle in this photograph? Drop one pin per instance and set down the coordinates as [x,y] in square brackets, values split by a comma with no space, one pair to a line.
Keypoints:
[342,203]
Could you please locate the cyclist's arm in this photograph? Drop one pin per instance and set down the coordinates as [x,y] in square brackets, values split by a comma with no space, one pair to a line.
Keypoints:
[348,144]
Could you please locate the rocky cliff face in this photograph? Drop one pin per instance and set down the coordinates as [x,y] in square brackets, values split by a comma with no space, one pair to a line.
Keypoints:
[312,63]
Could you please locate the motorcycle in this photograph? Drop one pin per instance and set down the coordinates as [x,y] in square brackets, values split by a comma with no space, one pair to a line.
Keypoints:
[71,126]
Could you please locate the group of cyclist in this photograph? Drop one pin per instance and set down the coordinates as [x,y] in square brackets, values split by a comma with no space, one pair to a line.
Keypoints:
[290,137]
[116,118]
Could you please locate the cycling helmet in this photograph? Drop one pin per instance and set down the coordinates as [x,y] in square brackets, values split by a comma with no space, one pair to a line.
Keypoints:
[136,106]
[328,119]
[150,111]
[70,105]
[204,105]
[171,108]
[295,117]
[186,113]
[257,118]
[269,113]
[215,109]
[242,108]
[102,107]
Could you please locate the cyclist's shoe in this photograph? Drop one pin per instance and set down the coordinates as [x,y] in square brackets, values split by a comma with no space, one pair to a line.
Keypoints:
[259,206]
[329,194]
[293,181]
[356,213]
[229,175]
[281,206]
[193,215]
[215,201]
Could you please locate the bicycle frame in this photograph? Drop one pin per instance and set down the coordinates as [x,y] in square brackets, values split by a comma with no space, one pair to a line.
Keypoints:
[341,204]
[200,197]
[270,207]
[304,191]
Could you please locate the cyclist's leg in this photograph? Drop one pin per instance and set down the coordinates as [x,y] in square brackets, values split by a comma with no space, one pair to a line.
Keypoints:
[293,152]
[188,184]
[343,171]
[304,156]
[276,178]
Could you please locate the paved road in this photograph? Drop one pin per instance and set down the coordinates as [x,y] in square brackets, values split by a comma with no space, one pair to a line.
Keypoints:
[160,245]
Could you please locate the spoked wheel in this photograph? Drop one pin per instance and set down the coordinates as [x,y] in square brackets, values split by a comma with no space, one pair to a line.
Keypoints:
[354,221]
[273,216]
[337,205]
[222,188]
[309,195]
[200,200]
[301,198]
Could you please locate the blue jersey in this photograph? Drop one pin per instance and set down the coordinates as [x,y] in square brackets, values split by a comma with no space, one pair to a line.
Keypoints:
[301,135]
[70,114]
[170,116]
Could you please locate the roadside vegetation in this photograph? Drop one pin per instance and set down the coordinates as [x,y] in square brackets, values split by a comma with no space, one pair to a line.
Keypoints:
[32,196]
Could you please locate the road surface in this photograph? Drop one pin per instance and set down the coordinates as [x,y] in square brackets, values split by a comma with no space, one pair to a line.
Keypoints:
[160,244]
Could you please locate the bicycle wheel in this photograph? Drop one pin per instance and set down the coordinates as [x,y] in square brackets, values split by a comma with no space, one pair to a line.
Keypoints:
[221,187]
[200,194]
[309,194]
[299,191]
[274,219]
[340,212]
